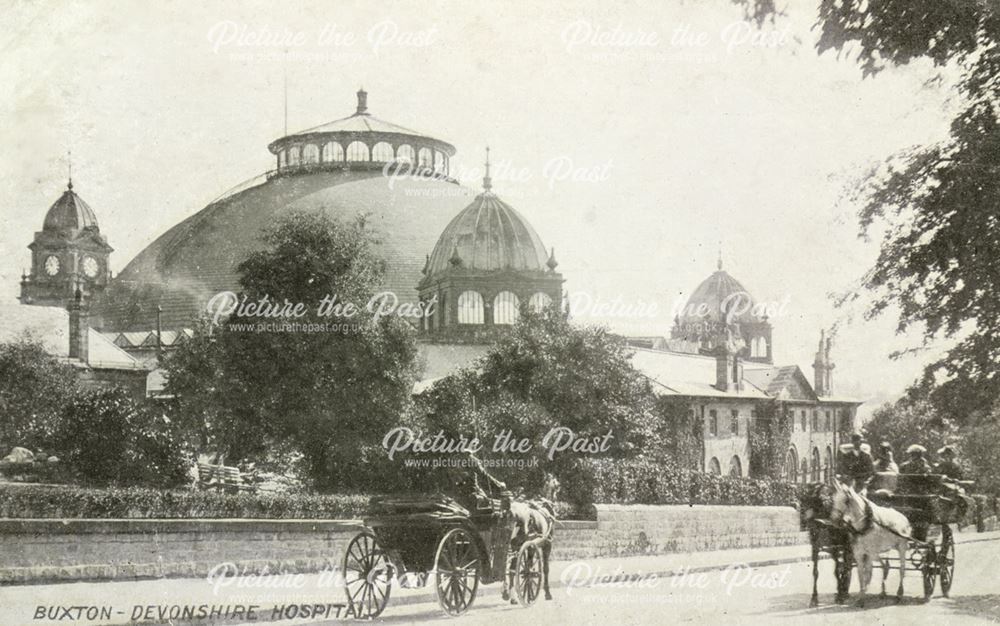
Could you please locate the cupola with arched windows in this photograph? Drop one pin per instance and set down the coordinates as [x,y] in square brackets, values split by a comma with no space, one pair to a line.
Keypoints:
[361,141]
[489,264]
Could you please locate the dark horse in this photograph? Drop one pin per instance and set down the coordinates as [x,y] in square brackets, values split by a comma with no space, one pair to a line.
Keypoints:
[816,502]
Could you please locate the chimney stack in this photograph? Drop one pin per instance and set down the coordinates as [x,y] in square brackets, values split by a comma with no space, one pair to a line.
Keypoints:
[822,367]
[728,368]
[79,328]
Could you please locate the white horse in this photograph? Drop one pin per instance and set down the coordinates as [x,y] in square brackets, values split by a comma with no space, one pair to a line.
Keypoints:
[874,530]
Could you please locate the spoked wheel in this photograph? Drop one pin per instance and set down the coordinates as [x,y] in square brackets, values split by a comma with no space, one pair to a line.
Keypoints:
[367,576]
[946,560]
[929,571]
[528,574]
[456,571]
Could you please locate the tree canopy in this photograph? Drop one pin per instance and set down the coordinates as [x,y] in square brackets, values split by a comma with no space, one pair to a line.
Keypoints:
[322,385]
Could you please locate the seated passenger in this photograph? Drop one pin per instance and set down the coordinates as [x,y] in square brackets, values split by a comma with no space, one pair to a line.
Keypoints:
[916,464]
[947,465]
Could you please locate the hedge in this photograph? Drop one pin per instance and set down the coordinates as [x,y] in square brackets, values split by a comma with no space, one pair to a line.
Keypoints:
[38,501]
[648,482]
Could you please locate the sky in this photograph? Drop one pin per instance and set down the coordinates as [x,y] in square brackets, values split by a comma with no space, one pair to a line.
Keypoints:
[639,139]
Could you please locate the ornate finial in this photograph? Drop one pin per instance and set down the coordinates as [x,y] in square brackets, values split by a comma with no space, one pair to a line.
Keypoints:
[487,181]
[719,264]
[552,264]
[362,102]
[69,157]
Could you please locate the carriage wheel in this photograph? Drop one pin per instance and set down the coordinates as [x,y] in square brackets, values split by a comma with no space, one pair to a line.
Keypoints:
[528,574]
[456,571]
[367,576]
[946,560]
[929,570]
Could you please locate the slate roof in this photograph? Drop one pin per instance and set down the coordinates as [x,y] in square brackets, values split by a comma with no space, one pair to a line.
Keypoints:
[51,326]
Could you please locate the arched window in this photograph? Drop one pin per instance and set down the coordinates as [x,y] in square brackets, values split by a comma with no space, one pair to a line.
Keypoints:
[713,423]
[425,158]
[805,424]
[714,467]
[470,308]
[294,156]
[438,161]
[539,301]
[791,466]
[505,308]
[829,421]
[817,466]
[282,159]
[382,152]
[828,464]
[357,152]
[333,152]
[734,422]
[310,154]
[404,154]
[804,470]
[735,467]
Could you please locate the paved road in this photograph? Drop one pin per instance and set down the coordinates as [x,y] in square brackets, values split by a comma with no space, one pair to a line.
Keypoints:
[766,595]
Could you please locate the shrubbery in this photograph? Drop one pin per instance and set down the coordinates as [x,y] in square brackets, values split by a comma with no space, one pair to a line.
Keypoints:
[642,481]
[34,501]
[105,437]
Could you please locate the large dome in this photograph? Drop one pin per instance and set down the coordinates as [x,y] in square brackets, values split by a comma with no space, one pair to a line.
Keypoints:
[197,258]
[339,168]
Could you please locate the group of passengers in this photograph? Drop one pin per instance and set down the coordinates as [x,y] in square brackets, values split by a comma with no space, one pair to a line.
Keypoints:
[858,465]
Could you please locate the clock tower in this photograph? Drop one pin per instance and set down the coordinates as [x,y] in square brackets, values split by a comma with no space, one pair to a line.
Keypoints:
[69,265]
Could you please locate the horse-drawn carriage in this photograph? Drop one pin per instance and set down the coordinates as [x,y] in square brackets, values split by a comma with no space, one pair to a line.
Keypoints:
[912,511]
[420,540]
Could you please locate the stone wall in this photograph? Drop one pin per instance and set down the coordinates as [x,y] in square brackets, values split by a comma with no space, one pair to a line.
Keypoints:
[636,530]
[70,550]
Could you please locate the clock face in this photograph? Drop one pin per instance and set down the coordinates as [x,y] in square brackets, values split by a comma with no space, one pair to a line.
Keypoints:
[90,267]
[51,265]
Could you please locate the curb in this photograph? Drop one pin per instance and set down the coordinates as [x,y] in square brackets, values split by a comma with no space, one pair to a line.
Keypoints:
[428,596]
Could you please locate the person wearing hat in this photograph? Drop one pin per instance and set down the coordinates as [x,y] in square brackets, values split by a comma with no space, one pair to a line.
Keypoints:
[947,464]
[916,464]
[885,463]
[857,463]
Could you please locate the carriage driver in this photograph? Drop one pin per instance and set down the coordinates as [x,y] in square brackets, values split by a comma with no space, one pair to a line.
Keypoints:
[475,485]
[857,463]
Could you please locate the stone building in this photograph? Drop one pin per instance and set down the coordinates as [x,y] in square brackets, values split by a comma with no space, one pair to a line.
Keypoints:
[719,359]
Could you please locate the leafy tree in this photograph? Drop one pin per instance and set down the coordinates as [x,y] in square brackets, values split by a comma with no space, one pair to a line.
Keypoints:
[548,373]
[331,394]
[34,389]
[980,453]
[906,422]
[937,207]
[105,437]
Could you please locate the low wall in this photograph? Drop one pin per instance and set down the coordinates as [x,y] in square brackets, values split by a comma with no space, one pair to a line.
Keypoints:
[635,530]
[34,551]
[73,550]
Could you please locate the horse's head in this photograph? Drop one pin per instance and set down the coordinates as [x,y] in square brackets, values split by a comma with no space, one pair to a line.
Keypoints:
[845,506]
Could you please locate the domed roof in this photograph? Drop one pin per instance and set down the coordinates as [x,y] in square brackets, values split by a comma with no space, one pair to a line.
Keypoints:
[718,295]
[69,212]
[361,124]
[198,257]
[488,235]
